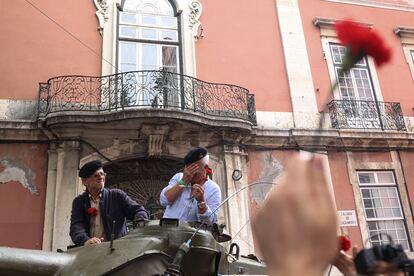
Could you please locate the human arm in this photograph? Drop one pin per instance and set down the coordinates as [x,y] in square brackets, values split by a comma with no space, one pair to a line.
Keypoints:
[130,207]
[295,229]
[174,189]
[345,262]
[78,232]
[212,199]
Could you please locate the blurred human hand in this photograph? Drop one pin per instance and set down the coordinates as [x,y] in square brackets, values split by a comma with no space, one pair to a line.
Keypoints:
[345,262]
[295,228]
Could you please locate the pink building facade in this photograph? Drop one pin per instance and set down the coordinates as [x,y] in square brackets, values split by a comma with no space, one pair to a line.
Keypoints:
[138,83]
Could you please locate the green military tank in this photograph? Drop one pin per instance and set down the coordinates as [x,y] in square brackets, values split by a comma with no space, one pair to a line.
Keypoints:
[156,247]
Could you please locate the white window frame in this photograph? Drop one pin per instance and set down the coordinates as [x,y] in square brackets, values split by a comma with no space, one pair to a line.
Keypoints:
[377,185]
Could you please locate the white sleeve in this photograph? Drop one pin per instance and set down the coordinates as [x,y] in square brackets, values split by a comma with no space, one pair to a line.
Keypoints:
[163,199]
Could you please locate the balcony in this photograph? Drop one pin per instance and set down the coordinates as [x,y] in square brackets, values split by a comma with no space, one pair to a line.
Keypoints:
[144,90]
[350,114]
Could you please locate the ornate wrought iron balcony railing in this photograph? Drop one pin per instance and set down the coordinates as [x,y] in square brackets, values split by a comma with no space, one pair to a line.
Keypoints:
[145,89]
[350,114]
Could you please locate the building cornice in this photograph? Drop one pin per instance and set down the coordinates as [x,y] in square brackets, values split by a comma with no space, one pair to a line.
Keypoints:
[352,140]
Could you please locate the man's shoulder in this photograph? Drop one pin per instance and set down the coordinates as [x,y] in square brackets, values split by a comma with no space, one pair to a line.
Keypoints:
[213,185]
[116,192]
[178,175]
[81,196]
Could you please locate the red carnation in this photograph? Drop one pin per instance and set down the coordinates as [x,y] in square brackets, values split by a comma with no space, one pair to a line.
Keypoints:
[209,171]
[92,211]
[344,243]
[361,41]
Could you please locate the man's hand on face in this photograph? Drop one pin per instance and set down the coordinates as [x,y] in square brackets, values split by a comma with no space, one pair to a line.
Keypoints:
[197,191]
[94,240]
[190,171]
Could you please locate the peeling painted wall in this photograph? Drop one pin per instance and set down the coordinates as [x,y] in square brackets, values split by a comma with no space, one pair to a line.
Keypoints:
[18,110]
[264,168]
[23,170]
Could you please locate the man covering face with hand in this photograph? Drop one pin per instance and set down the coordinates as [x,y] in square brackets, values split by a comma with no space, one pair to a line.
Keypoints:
[192,195]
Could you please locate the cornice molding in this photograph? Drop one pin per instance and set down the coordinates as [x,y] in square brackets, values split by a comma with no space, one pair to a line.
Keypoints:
[323,140]
[322,22]
[402,31]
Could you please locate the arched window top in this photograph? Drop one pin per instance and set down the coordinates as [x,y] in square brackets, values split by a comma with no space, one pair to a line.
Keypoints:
[157,7]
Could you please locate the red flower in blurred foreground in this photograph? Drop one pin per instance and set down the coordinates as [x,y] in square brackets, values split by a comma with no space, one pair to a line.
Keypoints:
[92,211]
[344,243]
[361,41]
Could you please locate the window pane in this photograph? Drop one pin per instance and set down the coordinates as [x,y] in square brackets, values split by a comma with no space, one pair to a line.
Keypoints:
[149,34]
[338,53]
[149,56]
[149,20]
[128,51]
[126,31]
[165,7]
[169,58]
[169,22]
[385,177]
[366,193]
[128,18]
[362,83]
[169,35]
[367,178]
[368,203]
[396,212]
[345,85]
[370,213]
[128,67]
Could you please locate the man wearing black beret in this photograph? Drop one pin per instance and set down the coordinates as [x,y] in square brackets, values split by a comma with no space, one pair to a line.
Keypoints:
[94,211]
[192,195]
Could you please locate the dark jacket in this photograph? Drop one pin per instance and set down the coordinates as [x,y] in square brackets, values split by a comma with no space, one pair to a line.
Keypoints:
[114,205]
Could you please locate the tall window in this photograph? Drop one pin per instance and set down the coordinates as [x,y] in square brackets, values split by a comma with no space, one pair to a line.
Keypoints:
[382,206]
[355,84]
[148,36]
[148,39]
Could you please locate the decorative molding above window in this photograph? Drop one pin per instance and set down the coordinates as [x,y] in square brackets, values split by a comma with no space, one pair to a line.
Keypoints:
[326,25]
[406,35]
[407,5]
[404,31]
[324,22]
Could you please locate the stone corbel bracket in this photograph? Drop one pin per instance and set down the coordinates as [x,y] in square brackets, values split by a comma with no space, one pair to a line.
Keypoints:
[194,16]
[101,13]
[155,134]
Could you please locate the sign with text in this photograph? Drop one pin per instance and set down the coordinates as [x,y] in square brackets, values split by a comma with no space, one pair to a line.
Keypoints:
[347,218]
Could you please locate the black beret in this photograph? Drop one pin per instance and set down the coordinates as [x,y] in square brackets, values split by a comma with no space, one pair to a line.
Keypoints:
[90,168]
[194,155]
